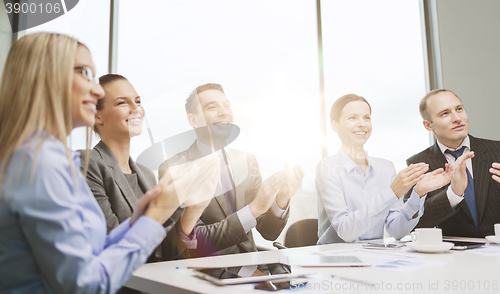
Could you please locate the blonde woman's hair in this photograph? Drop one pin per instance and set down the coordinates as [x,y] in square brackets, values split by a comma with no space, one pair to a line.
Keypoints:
[36,95]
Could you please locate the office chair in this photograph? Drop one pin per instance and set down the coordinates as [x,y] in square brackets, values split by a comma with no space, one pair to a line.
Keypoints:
[302,233]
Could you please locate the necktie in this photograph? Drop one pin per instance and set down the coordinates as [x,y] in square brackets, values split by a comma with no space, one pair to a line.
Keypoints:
[227,183]
[470,197]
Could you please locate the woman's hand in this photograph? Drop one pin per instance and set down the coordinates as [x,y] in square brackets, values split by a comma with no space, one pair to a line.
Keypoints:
[434,180]
[408,177]
[143,203]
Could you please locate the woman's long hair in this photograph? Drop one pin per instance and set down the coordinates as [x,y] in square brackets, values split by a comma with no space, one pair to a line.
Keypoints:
[36,94]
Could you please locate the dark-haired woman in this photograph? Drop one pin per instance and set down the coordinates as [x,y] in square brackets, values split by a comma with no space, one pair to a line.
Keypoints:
[116,180]
[359,194]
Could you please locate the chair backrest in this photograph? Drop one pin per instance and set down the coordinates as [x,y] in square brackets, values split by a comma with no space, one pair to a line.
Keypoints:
[302,233]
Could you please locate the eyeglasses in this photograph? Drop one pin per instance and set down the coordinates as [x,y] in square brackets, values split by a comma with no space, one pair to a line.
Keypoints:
[86,72]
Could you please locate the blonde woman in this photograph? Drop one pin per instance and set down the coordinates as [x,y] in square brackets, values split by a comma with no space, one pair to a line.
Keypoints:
[52,231]
[359,194]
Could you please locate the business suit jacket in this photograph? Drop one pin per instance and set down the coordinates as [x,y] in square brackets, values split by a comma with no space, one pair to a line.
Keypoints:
[219,231]
[117,199]
[458,221]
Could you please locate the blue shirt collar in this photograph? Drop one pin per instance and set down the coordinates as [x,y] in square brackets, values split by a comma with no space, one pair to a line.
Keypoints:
[349,164]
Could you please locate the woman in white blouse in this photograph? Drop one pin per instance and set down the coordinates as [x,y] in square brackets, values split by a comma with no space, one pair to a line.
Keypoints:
[357,193]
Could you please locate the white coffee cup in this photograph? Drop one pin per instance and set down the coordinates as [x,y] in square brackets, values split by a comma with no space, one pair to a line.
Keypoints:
[428,236]
[497,230]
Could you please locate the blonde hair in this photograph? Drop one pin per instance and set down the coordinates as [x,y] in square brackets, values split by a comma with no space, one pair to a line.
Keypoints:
[36,94]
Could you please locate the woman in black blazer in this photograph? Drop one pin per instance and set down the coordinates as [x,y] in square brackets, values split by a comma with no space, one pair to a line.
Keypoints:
[116,180]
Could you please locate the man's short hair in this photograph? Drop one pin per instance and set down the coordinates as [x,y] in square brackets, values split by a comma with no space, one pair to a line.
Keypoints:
[192,100]
[424,113]
[337,107]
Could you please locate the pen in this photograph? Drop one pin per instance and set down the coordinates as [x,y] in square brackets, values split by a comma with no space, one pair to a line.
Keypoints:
[354,281]
[390,245]
[278,245]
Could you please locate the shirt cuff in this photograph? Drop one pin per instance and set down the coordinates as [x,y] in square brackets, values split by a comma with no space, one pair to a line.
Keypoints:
[246,218]
[147,232]
[389,196]
[422,205]
[117,233]
[412,205]
[453,198]
[277,211]
[189,242]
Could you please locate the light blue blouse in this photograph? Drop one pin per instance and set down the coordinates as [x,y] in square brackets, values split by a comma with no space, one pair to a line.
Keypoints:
[354,207]
[53,232]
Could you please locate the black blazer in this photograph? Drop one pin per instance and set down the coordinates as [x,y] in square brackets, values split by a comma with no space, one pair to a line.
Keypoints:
[117,199]
[458,222]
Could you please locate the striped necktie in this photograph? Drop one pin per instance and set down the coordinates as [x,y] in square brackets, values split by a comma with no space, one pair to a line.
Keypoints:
[227,183]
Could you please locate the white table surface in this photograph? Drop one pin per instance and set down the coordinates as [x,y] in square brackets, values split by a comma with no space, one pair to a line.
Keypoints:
[458,272]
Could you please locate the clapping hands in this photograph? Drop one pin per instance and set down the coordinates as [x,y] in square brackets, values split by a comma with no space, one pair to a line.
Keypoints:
[434,180]
[191,183]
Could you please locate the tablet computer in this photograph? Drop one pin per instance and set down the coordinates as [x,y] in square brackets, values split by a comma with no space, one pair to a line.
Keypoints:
[249,274]
[326,261]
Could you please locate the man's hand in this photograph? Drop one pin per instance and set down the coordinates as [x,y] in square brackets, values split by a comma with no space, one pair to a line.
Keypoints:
[191,215]
[190,183]
[290,187]
[434,180]
[267,191]
[200,191]
[495,170]
[195,181]
[408,177]
[459,179]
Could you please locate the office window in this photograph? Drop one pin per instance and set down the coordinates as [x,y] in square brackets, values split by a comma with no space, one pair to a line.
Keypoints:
[374,49]
[88,22]
[264,54]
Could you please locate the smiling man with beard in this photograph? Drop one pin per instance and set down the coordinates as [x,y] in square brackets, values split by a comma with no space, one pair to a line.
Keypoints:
[470,205]
[242,201]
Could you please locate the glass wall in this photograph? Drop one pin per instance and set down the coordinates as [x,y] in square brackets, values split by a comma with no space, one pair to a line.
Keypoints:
[88,22]
[265,55]
[374,49]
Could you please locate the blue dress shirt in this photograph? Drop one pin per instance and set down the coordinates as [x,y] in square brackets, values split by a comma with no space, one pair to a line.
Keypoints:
[354,207]
[53,232]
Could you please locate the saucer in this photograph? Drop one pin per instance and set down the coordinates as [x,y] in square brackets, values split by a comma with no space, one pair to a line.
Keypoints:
[493,239]
[434,248]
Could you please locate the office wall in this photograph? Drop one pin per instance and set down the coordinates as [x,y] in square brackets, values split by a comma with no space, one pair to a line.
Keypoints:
[5,37]
[469,45]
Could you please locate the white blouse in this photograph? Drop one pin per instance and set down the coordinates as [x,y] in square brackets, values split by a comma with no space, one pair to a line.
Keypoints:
[354,207]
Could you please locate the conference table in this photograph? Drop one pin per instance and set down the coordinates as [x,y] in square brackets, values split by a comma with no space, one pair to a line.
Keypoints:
[399,270]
